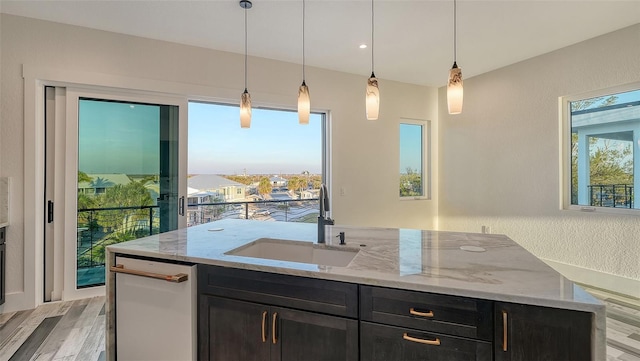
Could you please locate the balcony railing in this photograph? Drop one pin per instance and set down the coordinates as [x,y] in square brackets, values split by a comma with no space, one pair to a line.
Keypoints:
[303,210]
[611,195]
[100,227]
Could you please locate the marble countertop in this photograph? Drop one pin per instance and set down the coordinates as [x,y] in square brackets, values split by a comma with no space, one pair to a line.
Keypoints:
[421,260]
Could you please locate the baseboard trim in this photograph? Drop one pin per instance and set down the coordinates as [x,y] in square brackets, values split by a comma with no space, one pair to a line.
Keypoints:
[607,281]
[16,302]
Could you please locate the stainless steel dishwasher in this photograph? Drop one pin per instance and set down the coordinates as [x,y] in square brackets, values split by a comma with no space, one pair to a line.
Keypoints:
[155,310]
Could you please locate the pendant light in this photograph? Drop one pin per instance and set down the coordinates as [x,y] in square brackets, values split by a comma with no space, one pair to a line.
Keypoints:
[454,87]
[373,92]
[245,99]
[304,103]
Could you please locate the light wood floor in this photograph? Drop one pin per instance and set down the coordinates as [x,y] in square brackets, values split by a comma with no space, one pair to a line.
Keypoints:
[75,330]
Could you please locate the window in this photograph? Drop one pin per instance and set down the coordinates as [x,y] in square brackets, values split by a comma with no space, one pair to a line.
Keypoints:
[412,181]
[604,151]
[276,166]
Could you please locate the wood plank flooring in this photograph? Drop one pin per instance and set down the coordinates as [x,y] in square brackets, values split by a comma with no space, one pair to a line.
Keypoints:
[75,330]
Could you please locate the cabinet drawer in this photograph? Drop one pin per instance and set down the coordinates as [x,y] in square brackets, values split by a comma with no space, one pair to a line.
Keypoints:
[310,294]
[383,343]
[451,315]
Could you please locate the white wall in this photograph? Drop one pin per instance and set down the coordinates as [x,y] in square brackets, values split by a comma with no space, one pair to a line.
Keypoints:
[365,153]
[500,163]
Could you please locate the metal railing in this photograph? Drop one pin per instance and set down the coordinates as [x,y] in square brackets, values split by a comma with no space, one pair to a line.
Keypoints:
[100,227]
[302,210]
[611,195]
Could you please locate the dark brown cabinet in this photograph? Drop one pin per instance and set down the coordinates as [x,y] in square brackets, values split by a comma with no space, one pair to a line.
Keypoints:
[407,325]
[384,342]
[250,324]
[531,333]
[254,316]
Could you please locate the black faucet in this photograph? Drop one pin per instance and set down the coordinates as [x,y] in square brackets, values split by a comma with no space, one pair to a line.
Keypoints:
[323,220]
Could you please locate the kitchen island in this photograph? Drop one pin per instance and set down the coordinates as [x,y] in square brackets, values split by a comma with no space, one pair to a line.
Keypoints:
[486,281]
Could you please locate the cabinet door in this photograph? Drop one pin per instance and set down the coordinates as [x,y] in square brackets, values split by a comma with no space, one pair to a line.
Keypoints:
[384,343]
[531,333]
[312,337]
[231,330]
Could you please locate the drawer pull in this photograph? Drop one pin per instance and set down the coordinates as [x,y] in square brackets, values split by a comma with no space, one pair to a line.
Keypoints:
[435,342]
[264,324]
[418,313]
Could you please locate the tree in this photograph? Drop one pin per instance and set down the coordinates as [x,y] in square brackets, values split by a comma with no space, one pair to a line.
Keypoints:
[296,183]
[83,177]
[133,194]
[264,187]
[410,183]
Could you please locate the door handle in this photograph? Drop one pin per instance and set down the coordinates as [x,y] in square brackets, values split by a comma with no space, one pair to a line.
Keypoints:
[274,321]
[504,330]
[49,211]
[181,206]
[264,331]
[177,278]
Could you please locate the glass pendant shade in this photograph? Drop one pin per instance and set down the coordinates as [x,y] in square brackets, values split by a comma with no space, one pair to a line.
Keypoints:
[373,98]
[454,90]
[304,104]
[245,110]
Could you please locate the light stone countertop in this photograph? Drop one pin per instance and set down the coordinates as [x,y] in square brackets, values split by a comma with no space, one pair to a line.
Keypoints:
[421,260]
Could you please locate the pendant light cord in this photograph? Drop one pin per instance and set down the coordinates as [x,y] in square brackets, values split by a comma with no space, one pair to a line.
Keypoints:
[372,22]
[455,32]
[245,49]
[303,63]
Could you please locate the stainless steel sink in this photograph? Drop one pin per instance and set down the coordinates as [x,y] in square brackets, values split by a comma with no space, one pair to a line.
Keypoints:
[296,251]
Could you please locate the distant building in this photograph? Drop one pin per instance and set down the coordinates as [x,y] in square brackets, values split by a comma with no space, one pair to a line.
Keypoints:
[223,188]
[101,181]
[278,182]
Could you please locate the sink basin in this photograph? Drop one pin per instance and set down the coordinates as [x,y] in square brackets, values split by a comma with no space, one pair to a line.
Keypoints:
[295,251]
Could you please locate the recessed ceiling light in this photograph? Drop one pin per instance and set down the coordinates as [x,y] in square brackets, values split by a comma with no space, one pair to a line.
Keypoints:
[363,46]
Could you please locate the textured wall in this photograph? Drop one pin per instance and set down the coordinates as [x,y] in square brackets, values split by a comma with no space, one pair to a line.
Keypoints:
[500,162]
[364,152]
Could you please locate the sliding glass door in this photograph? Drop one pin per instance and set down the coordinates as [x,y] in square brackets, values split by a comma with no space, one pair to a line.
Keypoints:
[123,177]
[127,178]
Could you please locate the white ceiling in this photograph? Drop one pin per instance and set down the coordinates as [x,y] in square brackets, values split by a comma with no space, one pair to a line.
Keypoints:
[413,39]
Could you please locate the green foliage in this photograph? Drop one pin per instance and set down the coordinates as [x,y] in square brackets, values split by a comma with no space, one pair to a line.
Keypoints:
[265,187]
[83,177]
[410,183]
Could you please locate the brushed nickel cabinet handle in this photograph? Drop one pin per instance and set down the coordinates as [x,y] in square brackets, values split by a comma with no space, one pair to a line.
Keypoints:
[177,278]
[504,330]
[274,338]
[435,342]
[264,324]
[418,313]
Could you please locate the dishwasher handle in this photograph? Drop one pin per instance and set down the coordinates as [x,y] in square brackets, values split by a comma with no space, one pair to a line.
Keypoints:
[177,278]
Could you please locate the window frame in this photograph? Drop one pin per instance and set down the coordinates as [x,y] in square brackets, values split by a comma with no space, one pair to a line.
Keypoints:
[564,108]
[426,160]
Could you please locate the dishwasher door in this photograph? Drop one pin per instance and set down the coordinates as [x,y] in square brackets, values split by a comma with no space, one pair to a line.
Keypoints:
[155,317]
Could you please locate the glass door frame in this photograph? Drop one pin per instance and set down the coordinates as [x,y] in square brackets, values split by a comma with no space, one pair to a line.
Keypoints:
[70,144]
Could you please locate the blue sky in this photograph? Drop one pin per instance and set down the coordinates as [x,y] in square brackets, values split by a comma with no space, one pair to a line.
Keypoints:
[274,144]
[118,137]
[410,147]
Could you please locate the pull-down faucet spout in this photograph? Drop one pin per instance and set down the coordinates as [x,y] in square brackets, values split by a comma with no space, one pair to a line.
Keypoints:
[323,220]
